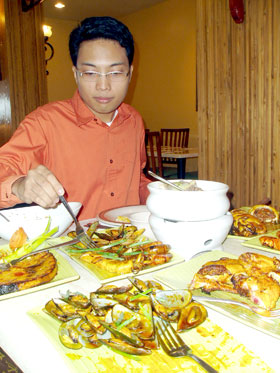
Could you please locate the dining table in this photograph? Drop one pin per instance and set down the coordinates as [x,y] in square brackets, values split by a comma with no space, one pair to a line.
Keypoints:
[33,352]
[180,154]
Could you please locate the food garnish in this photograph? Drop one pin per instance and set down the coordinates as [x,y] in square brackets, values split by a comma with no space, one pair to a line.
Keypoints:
[121,317]
[29,246]
[18,239]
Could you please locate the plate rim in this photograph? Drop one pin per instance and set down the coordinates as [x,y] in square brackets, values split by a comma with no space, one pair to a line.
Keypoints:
[101,217]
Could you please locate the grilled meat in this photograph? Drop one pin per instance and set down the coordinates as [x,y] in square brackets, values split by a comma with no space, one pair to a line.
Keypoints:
[245,224]
[253,262]
[269,241]
[216,275]
[261,290]
[33,271]
[254,276]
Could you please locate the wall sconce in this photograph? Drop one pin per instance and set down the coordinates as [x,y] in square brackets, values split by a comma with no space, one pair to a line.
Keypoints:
[48,47]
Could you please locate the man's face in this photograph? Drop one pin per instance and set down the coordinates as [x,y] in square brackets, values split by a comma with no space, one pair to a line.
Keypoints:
[102,96]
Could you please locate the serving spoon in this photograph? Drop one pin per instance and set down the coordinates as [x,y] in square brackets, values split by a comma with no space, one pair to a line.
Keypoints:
[165,181]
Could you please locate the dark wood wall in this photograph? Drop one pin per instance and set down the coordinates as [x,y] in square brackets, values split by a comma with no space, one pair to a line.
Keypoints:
[23,85]
[238,71]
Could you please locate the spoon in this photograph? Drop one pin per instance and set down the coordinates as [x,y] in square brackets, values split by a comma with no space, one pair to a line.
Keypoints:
[165,181]
[3,216]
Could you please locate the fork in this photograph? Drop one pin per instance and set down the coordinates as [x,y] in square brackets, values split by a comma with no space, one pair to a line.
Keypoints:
[81,234]
[174,346]
[256,309]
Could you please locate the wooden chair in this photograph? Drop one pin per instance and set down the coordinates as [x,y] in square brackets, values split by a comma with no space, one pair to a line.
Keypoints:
[175,137]
[178,137]
[153,147]
[146,137]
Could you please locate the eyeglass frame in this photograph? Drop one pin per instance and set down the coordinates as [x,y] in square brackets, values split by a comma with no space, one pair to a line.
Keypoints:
[99,75]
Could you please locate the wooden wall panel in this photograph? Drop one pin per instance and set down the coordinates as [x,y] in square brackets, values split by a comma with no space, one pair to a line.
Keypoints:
[239,98]
[5,106]
[24,83]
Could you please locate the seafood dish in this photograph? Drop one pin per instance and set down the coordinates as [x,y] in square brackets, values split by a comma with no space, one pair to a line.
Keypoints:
[32,271]
[254,276]
[121,250]
[35,270]
[121,317]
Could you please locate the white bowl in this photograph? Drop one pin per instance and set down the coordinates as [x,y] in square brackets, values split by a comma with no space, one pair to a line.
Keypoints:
[141,220]
[209,203]
[189,238]
[34,219]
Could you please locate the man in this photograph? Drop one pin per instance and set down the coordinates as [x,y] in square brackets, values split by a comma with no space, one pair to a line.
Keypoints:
[90,147]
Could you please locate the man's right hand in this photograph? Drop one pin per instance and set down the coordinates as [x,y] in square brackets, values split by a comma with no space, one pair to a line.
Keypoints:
[39,186]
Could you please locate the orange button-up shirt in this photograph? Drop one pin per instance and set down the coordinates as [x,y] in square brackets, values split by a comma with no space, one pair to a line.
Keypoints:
[98,165]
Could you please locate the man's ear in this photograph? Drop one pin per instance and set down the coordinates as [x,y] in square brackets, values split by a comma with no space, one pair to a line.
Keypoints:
[130,72]
[75,74]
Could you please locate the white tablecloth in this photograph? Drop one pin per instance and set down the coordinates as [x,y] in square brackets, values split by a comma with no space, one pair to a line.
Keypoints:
[34,353]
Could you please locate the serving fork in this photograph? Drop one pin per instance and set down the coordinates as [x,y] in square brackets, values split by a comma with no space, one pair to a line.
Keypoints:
[80,233]
[174,346]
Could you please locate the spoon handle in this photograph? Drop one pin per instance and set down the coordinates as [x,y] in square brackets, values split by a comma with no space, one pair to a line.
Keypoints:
[3,216]
[165,181]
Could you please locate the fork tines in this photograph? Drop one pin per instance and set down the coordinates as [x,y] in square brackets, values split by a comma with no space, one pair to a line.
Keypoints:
[169,340]
[87,241]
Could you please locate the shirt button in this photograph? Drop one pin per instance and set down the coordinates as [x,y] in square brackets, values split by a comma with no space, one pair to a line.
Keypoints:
[111,161]
[112,194]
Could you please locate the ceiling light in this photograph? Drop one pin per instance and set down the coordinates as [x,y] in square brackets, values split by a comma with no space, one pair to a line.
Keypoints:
[59,5]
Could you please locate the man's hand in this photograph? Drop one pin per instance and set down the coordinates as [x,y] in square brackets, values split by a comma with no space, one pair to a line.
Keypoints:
[39,186]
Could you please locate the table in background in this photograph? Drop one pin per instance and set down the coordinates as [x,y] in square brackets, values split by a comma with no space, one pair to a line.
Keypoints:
[180,154]
[31,350]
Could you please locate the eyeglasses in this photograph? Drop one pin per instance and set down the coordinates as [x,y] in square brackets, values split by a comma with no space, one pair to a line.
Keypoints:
[112,76]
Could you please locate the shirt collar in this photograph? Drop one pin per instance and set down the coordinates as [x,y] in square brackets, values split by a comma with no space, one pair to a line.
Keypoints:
[85,115]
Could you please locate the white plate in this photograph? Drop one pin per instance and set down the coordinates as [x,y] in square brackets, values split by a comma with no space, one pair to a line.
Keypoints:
[104,277]
[180,276]
[109,217]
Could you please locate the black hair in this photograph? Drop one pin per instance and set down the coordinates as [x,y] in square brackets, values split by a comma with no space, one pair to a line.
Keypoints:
[101,28]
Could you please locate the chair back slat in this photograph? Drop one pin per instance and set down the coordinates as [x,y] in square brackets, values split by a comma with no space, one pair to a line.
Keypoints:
[154,159]
[178,137]
[175,137]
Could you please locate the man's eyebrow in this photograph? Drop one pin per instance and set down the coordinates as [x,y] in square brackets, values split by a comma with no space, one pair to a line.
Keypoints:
[95,66]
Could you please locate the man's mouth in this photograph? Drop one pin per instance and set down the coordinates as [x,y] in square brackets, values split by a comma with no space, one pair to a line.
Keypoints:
[103,100]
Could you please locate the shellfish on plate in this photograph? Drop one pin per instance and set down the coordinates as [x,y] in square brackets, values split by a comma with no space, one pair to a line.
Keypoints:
[121,317]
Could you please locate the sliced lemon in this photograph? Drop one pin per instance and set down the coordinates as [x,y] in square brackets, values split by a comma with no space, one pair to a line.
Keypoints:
[264,213]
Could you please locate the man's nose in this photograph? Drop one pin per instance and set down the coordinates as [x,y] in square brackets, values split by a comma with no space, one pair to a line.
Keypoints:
[103,82]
